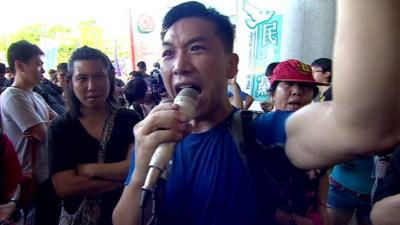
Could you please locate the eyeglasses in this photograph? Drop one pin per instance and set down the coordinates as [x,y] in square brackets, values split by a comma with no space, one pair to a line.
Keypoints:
[317,71]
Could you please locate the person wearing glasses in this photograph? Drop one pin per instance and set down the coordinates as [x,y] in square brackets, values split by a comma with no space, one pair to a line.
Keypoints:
[322,72]
[268,105]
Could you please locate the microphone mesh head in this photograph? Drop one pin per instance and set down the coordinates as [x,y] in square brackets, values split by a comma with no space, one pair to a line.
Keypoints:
[189,92]
[167,100]
[187,100]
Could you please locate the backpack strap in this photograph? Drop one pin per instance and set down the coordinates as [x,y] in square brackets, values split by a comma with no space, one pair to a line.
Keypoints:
[236,129]
[242,127]
[253,153]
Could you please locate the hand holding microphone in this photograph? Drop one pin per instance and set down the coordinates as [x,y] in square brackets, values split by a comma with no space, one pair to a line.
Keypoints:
[187,101]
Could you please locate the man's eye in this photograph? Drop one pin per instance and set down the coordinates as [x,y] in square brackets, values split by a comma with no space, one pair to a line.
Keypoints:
[81,78]
[166,53]
[197,48]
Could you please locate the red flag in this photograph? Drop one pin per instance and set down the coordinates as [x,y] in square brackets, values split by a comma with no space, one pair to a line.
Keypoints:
[132,43]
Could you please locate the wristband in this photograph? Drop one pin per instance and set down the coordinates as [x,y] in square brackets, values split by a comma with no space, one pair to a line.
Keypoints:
[15,202]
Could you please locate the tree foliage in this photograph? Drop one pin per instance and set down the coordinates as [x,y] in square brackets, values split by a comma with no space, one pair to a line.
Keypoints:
[66,38]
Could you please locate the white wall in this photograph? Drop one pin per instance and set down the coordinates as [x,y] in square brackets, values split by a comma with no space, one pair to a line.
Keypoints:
[307,34]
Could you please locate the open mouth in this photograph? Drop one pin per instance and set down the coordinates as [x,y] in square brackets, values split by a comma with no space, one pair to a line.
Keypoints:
[195,87]
[295,104]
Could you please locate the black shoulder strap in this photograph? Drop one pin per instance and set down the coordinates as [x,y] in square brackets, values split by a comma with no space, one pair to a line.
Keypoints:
[253,154]
[236,129]
[1,167]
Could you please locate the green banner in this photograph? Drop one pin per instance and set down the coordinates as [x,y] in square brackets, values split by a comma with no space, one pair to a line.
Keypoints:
[265,49]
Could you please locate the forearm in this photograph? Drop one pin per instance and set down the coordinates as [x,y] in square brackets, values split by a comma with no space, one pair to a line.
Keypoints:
[236,100]
[52,113]
[38,132]
[247,102]
[68,184]
[6,211]
[386,211]
[127,211]
[109,171]
[9,208]
[363,118]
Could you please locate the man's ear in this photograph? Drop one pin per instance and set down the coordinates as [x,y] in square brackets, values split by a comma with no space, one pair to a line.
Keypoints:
[233,66]
[327,74]
[19,66]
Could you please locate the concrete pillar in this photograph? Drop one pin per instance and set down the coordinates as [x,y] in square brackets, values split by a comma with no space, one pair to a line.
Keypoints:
[300,29]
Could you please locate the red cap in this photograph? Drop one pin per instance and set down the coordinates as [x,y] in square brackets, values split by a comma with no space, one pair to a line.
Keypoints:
[295,71]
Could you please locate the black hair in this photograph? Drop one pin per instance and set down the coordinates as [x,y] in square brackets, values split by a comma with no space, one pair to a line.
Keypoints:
[52,71]
[270,68]
[325,64]
[141,65]
[88,53]
[62,67]
[135,90]
[223,27]
[21,50]
[2,68]
[272,89]
[135,74]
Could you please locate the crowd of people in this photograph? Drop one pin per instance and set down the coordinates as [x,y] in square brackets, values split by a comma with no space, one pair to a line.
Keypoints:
[76,148]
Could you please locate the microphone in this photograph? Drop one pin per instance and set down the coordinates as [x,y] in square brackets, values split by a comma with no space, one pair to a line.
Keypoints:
[187,101]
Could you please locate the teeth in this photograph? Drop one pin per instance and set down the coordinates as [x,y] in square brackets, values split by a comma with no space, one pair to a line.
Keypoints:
[190,86]
[185,86]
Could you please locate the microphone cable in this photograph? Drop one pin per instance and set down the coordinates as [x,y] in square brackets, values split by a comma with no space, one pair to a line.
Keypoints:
[156,199]
[144,199]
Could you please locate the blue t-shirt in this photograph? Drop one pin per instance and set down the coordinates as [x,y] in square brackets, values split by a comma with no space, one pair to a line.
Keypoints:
[355,175]
[208,183]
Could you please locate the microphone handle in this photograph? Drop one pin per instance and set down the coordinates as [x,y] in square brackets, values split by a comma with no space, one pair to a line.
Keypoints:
[158,164]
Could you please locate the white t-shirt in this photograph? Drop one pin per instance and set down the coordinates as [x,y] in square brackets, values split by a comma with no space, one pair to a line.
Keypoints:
[21,110]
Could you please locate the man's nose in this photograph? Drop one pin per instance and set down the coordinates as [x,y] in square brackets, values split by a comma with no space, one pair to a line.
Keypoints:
[181,64]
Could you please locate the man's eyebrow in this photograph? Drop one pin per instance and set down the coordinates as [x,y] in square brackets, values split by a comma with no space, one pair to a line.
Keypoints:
[166,43]
[197,39]
[188,42]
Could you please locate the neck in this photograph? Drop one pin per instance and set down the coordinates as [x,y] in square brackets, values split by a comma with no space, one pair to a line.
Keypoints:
[96,113]
[322,89]
[22,84]
[210,119]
